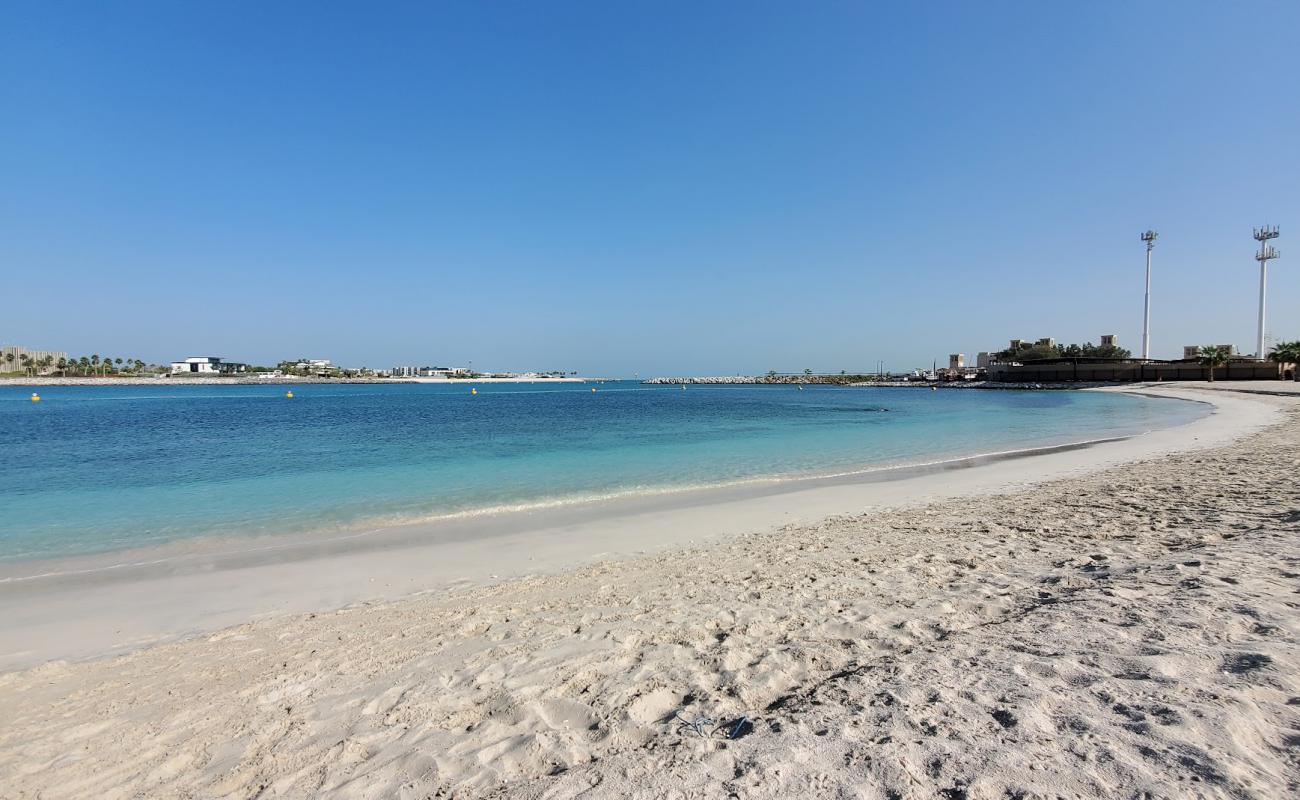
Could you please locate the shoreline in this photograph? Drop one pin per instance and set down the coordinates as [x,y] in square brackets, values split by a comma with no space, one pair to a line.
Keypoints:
[1091,627]
[152,600]
[280,380]
[212,550]
[587,505]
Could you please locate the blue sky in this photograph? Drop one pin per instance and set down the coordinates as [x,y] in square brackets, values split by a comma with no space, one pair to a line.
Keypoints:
[662,187]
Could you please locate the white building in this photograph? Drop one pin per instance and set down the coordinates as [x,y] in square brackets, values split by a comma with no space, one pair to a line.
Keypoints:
[207,365]
[429,372]
[1192,351]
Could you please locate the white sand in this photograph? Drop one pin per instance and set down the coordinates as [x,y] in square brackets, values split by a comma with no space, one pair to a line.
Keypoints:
[1083,633]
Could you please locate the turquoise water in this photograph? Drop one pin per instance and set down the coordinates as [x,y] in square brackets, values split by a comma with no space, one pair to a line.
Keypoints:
[92,469]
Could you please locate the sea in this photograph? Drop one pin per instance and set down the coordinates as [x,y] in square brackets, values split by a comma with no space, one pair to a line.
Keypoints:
[96,469]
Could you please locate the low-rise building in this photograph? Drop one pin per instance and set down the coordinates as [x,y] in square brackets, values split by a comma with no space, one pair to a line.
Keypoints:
[207,365]
[1192,352]
[429,372]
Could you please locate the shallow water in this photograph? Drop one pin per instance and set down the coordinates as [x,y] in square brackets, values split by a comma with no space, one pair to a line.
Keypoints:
[92,469]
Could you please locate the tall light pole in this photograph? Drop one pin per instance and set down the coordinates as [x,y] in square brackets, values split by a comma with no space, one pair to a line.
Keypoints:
[1266,254]
[1150,238]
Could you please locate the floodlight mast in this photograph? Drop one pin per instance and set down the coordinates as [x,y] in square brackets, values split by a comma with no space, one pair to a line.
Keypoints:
[1266,254]
[1150,238]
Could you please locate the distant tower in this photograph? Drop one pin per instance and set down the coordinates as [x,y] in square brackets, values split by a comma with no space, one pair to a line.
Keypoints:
[1266,254]
[1150,238]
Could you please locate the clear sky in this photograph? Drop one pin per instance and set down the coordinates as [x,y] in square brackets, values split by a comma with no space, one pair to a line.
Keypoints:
[660,187]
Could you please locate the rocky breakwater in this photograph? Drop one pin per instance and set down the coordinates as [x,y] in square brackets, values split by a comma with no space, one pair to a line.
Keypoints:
[719,380]
[921,384]
[866,380]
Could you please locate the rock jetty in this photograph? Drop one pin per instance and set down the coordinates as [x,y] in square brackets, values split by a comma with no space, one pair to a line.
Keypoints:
[838,380]
[868,380]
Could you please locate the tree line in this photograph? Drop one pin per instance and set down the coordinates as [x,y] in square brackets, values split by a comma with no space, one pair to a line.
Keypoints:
[1216,355]
[1043,351]
[85,365]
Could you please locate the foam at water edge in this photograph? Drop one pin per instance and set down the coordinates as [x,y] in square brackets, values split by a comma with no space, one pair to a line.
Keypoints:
[381,525]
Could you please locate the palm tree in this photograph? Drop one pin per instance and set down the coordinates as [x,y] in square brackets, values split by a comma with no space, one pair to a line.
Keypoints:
[139,365]
[84,363]
[1288,353]
[9,360]
[1213,356]
[94,361]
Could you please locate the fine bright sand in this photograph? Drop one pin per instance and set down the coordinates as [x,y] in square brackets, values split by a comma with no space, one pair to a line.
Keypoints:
[1130,632]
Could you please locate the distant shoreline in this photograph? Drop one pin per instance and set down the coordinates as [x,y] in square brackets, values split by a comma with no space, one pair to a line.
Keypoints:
[248,380]
[739,380]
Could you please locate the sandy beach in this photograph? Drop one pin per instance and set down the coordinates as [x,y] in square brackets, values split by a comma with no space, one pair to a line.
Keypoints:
[1114,620]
